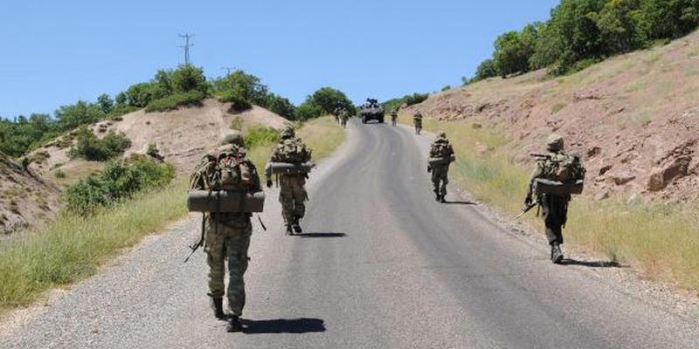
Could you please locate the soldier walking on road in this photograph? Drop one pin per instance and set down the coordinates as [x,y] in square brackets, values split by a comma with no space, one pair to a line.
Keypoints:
[417,121]
[559,167]
[394,116]
[227,234]
[344,115]
[292,193]
[441,155]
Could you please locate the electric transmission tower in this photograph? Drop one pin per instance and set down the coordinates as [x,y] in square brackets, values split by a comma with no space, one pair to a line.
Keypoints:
[228,70]
[186,47]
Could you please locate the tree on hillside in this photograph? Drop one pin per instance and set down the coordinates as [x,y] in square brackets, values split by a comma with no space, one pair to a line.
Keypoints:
[281,106]
[242,86]
[512,53]
[105,103]
[621,25]
[81,113]
[188,78]
[671,18]
[329,99]
[486,69]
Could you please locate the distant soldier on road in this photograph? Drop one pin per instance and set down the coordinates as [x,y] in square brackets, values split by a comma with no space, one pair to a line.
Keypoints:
[227,234]
[394,116]
[559,167]
[292,193]
[417,121]
[441,155]
[344,115]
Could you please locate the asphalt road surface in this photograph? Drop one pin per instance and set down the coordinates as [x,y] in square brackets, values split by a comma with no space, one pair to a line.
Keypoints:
[380,265]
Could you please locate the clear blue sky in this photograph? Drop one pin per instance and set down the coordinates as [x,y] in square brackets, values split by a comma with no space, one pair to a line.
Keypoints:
[55,52]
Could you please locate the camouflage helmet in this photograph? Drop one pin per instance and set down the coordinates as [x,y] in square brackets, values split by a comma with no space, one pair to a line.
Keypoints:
[554,142]
[233,137]
[287,132]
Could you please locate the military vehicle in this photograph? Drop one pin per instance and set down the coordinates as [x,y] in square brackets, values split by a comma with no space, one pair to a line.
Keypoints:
[371,110]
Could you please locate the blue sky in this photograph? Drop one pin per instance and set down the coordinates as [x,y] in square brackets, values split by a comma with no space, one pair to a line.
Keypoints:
[55,53]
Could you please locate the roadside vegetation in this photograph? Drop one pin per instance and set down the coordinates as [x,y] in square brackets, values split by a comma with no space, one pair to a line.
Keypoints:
[658,238]
[580,33]
[127,201]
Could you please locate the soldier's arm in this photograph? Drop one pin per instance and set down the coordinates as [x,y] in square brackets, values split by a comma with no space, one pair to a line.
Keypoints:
[256,186]
[536,173]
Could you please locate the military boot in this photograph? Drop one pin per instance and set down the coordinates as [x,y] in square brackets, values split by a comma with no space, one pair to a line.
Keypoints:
[217,306]
[556,254]
[296,225]
[288,230]
[234,324]
[441,199]
[437,196]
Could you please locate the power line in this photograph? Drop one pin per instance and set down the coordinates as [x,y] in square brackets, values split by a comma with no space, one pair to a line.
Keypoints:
[186,47]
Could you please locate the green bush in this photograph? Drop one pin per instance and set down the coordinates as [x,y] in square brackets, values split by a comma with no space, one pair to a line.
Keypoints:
[238,102]
[260,135]
[91,148]
[59,174]
[119,180]
[191,98]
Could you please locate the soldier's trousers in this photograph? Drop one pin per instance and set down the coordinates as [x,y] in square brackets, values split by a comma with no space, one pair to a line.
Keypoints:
[228,239]
[440,179]
[555,212]
[292,197]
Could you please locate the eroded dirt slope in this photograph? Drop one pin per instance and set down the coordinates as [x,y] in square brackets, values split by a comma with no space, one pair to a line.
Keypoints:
[634,118]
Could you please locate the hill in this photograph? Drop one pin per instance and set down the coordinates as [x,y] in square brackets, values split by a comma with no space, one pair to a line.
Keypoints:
[182,136]
[634,118]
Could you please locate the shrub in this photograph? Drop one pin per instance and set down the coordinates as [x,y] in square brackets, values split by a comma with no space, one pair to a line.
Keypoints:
[91,148]
[191,98]
[260,135]
[119,180]
[237,101]
[59,174]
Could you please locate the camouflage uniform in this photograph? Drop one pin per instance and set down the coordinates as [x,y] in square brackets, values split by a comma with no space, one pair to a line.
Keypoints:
[292,192]
[554,207]
[417,121]
[227,236]
[394,117]
[344,115]
[439,172]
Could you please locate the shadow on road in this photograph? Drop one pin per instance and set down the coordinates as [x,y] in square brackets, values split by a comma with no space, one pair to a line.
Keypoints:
[321,235]
[456,202]
[592,264]
[302,325]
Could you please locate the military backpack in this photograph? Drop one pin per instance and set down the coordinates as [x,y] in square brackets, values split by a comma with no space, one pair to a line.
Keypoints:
[563,167]
[293,151]
[227,169]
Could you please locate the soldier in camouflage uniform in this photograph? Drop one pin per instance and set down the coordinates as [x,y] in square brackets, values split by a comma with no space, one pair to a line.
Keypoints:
[227,236]
[440,148]
[417,121]
[554,207]
[344,115]
[394,116]
[292,192]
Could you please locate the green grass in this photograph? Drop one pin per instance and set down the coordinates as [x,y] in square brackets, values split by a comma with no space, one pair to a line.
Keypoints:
[658,239]
[74,247]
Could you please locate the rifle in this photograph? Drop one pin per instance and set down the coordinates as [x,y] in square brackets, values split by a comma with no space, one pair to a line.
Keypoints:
[526,209]
[199,243]
[540,156]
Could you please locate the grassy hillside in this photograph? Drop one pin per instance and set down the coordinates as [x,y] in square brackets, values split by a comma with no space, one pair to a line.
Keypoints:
[633,118]
[73,247]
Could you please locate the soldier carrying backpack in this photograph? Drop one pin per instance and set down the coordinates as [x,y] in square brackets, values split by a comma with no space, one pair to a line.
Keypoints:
[557,175]
[441,155]
[290,160]
[226,187]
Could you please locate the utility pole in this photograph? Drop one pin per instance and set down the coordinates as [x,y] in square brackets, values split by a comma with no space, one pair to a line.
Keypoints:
[186,47]
[228,70]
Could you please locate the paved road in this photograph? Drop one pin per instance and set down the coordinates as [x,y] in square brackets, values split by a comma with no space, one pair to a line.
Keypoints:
[381,265]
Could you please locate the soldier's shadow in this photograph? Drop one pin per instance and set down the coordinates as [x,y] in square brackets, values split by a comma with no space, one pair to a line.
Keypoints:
[592,264]
[301,325]
[458,202]
[321,235]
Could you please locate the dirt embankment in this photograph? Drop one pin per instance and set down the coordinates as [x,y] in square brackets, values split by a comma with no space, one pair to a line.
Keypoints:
[31,195]
[634,118]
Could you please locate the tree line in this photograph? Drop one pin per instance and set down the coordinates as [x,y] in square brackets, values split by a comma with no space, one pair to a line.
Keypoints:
[582,32]
[167,90]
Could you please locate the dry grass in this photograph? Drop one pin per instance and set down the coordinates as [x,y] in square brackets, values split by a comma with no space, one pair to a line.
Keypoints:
[74,247]
[661,240]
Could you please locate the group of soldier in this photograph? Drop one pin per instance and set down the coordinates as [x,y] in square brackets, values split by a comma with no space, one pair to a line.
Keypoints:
[227,234]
